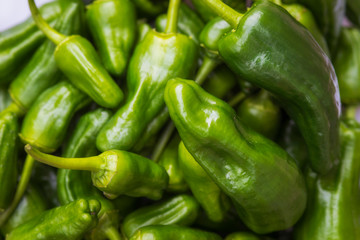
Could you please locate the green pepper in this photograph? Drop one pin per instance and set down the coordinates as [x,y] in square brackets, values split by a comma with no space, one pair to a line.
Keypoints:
[9,128]
[156,59]
[242,236]
[333,211]
[211,198]
[5,99]
[17,44]
[114,172]
[292,67]
[353,11]
[143,29]
[173,232]
[261,113]
[69,222]
[31,205]
[147,8]
[180,210]
[262,180]
[113,26]
[42,72]
[78,60]
[347,65]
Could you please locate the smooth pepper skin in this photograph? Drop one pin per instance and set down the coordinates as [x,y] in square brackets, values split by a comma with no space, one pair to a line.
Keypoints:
[273,51]
[242,236]
[347,65]
[353,11]
[180,210]
[262,180]
[9,128]
[173,232]
[5,99]
[45,124]
[70,222]
[211,198]
[158,58]
[42,72]
[112,24]
[333,212]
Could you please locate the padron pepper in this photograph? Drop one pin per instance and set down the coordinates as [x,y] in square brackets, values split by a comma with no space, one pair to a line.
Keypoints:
[180,210]
[273,51]
[112,24]
[69,222]
[262,180]
[156,59]
[78,60]
[333,211]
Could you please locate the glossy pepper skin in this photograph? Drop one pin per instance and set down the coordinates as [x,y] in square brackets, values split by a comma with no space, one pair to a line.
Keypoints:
[5,99]
[249,168]
[173,232]
[180,210]
[242,236]
[158,58]
[211,198]
[114,172]
[302,78]
[18,43]
[42,72]
[70,222]
[353,11]
[112,24]
[9,128]
[347,65]
[333,212]
[45,123]
[78,60]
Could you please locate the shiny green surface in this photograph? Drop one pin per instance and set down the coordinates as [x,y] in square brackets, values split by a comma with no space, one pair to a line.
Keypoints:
[5,99]
[242,236]
[180,210]
[113,27]
[69,222]
[295,70]
[158,58]
[262,180]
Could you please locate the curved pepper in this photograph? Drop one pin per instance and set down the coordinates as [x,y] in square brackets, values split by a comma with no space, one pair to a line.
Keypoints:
[180,210]
[78,60]
[209,195]
[302,78]
[333,211]
[9,128]
[353,11]
[112,24]
[173,232]
[42,72]
[347,65]
[262,180]
[69,222]
[114,172]
[156,59]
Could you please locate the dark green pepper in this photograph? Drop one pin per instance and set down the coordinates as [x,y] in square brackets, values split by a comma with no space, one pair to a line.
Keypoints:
[333,211]
[292,67]
[5,99]
[78,60]
[353,11]
[262,180]
[42,72]
[69,222]
[209,195]
[113,26]
[180,210]
[173,232]
[149,9]
[242,236]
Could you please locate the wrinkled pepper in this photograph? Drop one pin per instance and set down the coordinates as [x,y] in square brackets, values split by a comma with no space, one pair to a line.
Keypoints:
[78,60]
[112,24]
[262,180]
[69,222]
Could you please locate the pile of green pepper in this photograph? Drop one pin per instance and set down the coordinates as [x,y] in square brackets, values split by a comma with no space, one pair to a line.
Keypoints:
[203,119]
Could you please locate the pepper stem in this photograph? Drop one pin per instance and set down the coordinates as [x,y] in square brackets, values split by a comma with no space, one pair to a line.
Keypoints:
[172,16]
[112,233]
[208,65]
[89,163]
[164,139]
[227,13]
[24,181]
[236,99]
[51,33]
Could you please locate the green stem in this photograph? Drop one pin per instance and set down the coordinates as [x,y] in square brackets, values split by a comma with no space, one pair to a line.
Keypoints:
[172,16]
[51,33]
[350,111]
[227,13]
[89,163]
[164,139]
[236,99]
[14,108]
[25,177]
[112,233]
[208,65]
